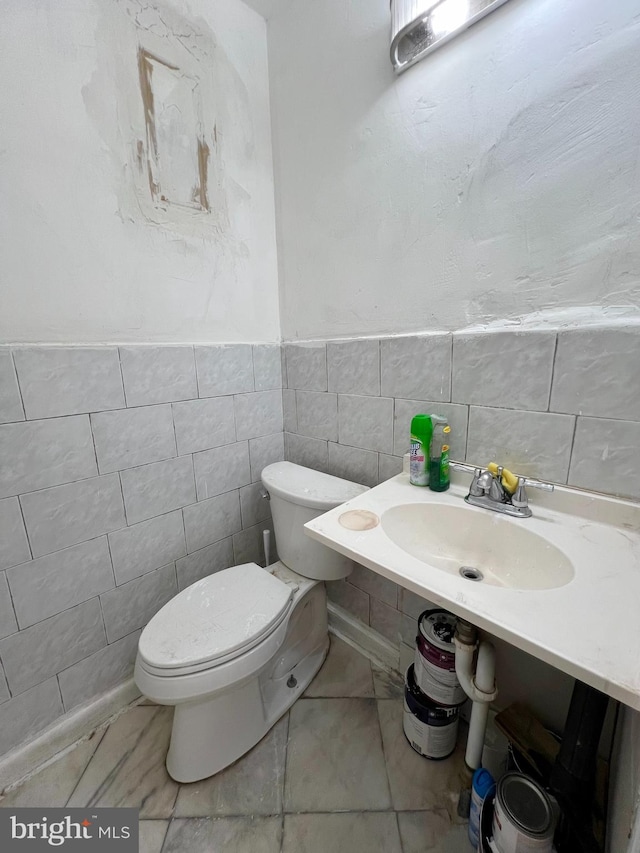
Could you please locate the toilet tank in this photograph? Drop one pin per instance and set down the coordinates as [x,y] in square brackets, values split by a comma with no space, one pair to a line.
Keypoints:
[297,495]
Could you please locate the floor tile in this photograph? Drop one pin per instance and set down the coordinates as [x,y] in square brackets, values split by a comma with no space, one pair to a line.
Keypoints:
[152,833]
[345,672]
[128,768]
[253,785]
[354,832]
[417,783]
[52,787]
[334,759]
[387,684]
[228,834]
[432,832]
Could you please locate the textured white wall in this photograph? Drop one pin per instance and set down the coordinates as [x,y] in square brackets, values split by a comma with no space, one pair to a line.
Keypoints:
[496,179]
[81,262]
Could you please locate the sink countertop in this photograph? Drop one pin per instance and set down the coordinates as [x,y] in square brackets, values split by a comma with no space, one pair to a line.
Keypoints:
[588,627]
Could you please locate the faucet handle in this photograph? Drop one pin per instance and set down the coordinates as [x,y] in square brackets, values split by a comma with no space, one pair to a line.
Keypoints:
[519,497]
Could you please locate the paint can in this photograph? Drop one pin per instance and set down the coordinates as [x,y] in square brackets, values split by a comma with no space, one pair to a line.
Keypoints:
[435,658]
[523,819]
[430,729]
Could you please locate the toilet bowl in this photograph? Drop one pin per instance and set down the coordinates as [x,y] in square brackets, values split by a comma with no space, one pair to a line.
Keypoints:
[233,651]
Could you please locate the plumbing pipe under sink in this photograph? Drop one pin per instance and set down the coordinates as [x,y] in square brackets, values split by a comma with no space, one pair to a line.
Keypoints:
[480,688]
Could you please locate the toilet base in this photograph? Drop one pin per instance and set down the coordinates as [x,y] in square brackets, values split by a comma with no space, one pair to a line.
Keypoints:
[211,733]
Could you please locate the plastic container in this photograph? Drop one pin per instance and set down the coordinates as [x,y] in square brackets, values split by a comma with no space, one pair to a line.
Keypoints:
[421,432]
[439,457]
[482,785]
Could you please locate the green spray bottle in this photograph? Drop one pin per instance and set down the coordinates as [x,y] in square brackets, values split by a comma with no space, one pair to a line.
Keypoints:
[439,457]
[421,432]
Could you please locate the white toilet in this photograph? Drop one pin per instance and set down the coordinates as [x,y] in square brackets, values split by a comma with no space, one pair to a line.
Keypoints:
[234,651]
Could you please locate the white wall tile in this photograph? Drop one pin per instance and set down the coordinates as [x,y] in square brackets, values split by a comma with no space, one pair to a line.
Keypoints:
[202,424]
[265,451]
[147,546]
[306,366]
[349,598]
[351,463]
[534,444]
[416,367]
[604,456]
[258,414]
[130,437]
[597,373]
[132,605]
[204,562]
[158,488]
[8,624]
[353,367]
[317,414]
[37,653]
[365,422]
[310,452]
[14,547]
[45,453]
[374,585]
[64,515]
[158,374]
[99,672]
[54,583]
[68,380]
[27,714]
[254,507]
[224,369]
[388,466]
[211,520]
[267,367]
[10,400]
[385,620]
[289,414]
[221,469]
[508,369]
[456,415]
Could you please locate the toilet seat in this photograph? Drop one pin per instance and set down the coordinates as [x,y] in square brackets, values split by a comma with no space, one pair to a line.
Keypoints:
[214,620]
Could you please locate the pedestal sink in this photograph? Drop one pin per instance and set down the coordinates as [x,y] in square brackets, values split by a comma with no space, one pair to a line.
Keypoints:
[491,549]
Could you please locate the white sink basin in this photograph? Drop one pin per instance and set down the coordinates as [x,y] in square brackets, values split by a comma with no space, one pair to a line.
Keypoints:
[563,585]
[455,538]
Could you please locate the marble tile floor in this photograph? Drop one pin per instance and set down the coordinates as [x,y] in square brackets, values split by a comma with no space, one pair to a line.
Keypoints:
[335,775]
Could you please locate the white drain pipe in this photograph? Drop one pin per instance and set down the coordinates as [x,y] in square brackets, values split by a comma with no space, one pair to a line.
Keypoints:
[479,687]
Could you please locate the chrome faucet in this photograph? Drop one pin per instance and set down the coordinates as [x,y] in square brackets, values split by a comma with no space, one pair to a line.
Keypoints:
[486,491]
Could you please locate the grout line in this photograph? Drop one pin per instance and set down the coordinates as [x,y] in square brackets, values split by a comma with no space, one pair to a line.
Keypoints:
[553,370]
[124,390]
[164,840]
[573,441]
[253,369]
[466,443]
[451,370]
[102,735]
[17,378]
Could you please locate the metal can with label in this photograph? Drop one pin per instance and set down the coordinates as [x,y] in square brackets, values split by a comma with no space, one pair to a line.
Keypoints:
[435,658]
[523,820]
[430,729]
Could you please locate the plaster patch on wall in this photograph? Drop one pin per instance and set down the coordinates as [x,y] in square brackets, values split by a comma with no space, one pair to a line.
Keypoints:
[559,244]
[174,92]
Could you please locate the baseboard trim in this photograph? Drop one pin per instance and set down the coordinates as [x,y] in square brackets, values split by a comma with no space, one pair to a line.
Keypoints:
[373,645]
[66,732]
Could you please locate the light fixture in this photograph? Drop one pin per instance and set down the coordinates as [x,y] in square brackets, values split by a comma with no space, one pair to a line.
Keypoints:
[421,26]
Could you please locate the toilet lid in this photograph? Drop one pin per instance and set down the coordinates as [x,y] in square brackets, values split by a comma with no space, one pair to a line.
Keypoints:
[224,613]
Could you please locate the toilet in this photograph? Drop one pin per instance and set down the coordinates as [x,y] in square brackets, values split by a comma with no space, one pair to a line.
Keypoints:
[234,650]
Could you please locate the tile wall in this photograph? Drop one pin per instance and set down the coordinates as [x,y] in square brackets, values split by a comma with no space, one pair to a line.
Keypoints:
[128,473]
[125,475]
[562,406]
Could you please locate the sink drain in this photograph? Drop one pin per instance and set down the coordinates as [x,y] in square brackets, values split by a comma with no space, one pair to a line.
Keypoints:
[471,574]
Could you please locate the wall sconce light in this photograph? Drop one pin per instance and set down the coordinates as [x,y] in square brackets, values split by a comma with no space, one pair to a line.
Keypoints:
[421,26]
